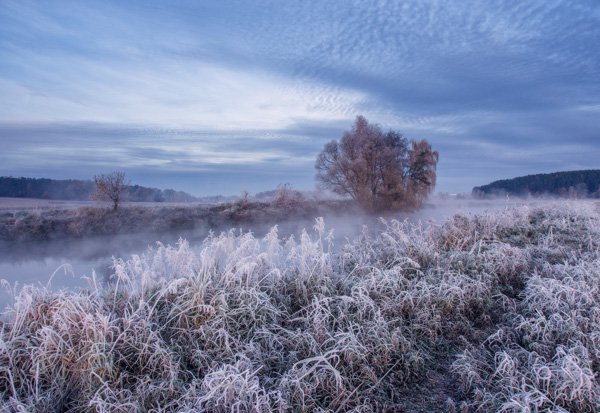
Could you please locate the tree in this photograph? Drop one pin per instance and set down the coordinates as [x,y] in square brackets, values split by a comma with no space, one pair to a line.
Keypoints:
[111,187]
[381,171]
[422,171]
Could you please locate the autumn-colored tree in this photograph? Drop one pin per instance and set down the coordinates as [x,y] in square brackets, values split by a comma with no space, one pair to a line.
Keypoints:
[111,187]
[380,170]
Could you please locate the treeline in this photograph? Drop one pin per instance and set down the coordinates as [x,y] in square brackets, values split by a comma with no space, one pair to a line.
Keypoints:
[572,184]
[76,190]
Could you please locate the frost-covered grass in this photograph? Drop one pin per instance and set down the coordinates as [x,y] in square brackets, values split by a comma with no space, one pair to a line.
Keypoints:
[508,302]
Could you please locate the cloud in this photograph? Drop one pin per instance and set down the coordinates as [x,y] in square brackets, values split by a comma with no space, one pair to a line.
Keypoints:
[236,88]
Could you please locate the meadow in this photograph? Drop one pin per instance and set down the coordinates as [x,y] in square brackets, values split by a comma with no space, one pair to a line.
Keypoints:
[28,220]
[494,311]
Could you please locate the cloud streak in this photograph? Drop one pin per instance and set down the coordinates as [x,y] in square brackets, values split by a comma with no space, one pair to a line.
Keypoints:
[231,89]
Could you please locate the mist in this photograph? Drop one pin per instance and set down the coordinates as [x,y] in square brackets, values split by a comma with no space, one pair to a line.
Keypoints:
[59,264]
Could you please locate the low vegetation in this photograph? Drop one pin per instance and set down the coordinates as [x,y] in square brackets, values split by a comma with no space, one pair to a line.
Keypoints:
[54,224]
[494,312]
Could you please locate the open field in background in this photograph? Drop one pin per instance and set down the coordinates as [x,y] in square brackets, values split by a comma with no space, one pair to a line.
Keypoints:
[26,225]
[36,204]
[497,311]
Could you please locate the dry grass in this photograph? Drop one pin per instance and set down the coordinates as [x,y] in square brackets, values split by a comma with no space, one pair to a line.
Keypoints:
[510,300]
[22,226]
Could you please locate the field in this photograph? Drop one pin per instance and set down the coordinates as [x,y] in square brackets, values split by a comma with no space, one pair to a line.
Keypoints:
[496,311]
[31,220]
[24,220]
[38,205]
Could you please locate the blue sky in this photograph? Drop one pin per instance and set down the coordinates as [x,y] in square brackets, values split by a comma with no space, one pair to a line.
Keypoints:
[219,96]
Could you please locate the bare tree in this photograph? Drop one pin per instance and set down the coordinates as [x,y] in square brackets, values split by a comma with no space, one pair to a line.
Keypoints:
[378,169]
[111,187]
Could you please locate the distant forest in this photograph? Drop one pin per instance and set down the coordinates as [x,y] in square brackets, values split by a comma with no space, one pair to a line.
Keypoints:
[572,184]
[76,190]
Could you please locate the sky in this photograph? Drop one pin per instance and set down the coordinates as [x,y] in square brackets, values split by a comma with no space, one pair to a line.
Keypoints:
[215,97]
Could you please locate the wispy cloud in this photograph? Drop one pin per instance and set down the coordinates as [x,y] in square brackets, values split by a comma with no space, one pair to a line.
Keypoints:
[500,88]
